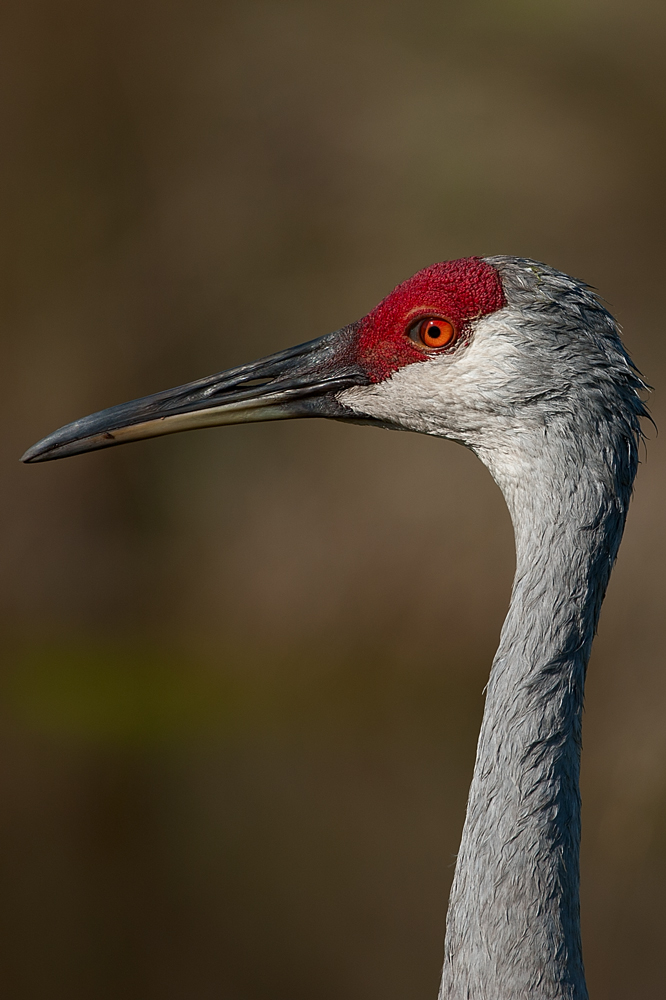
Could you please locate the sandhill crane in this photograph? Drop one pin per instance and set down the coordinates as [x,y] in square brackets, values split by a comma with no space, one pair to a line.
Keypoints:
[524,366]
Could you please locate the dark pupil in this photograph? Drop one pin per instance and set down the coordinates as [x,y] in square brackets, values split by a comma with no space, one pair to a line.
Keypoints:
[435,331]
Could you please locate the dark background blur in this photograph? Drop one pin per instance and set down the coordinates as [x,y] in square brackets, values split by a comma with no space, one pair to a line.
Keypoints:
[243,669]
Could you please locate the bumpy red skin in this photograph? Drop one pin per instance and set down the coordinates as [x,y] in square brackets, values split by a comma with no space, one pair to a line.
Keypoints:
[456,290]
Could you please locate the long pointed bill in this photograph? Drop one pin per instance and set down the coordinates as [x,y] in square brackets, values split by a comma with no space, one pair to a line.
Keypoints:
[302,381]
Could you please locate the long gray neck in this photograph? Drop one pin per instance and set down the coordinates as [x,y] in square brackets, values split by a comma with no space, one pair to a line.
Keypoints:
[513,927]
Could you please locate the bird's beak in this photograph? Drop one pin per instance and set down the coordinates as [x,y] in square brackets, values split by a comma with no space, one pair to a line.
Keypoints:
[302,381]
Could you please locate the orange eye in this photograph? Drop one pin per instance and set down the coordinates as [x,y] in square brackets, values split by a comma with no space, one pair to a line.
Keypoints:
[434,333]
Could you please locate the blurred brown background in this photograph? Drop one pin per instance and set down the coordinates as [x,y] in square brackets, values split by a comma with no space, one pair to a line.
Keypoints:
[243,669]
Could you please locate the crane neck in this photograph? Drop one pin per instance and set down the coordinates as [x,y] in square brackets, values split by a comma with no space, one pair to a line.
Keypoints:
[513,925]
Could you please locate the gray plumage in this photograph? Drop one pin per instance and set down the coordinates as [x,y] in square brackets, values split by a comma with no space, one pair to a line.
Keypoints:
[513,927]
[549,400]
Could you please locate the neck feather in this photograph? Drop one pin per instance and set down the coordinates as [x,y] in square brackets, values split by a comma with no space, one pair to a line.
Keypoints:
[513,927]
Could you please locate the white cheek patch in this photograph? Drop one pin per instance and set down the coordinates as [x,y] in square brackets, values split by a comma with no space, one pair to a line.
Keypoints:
[470,396]
[413,398]
[461,395]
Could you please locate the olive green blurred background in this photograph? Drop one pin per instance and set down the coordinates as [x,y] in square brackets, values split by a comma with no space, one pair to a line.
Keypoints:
[243,669]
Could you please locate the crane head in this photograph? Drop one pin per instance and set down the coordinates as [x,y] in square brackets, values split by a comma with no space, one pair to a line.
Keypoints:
[458,350]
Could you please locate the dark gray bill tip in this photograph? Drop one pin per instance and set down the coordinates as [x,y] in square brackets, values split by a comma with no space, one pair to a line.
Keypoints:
[59,445]
[38,453]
